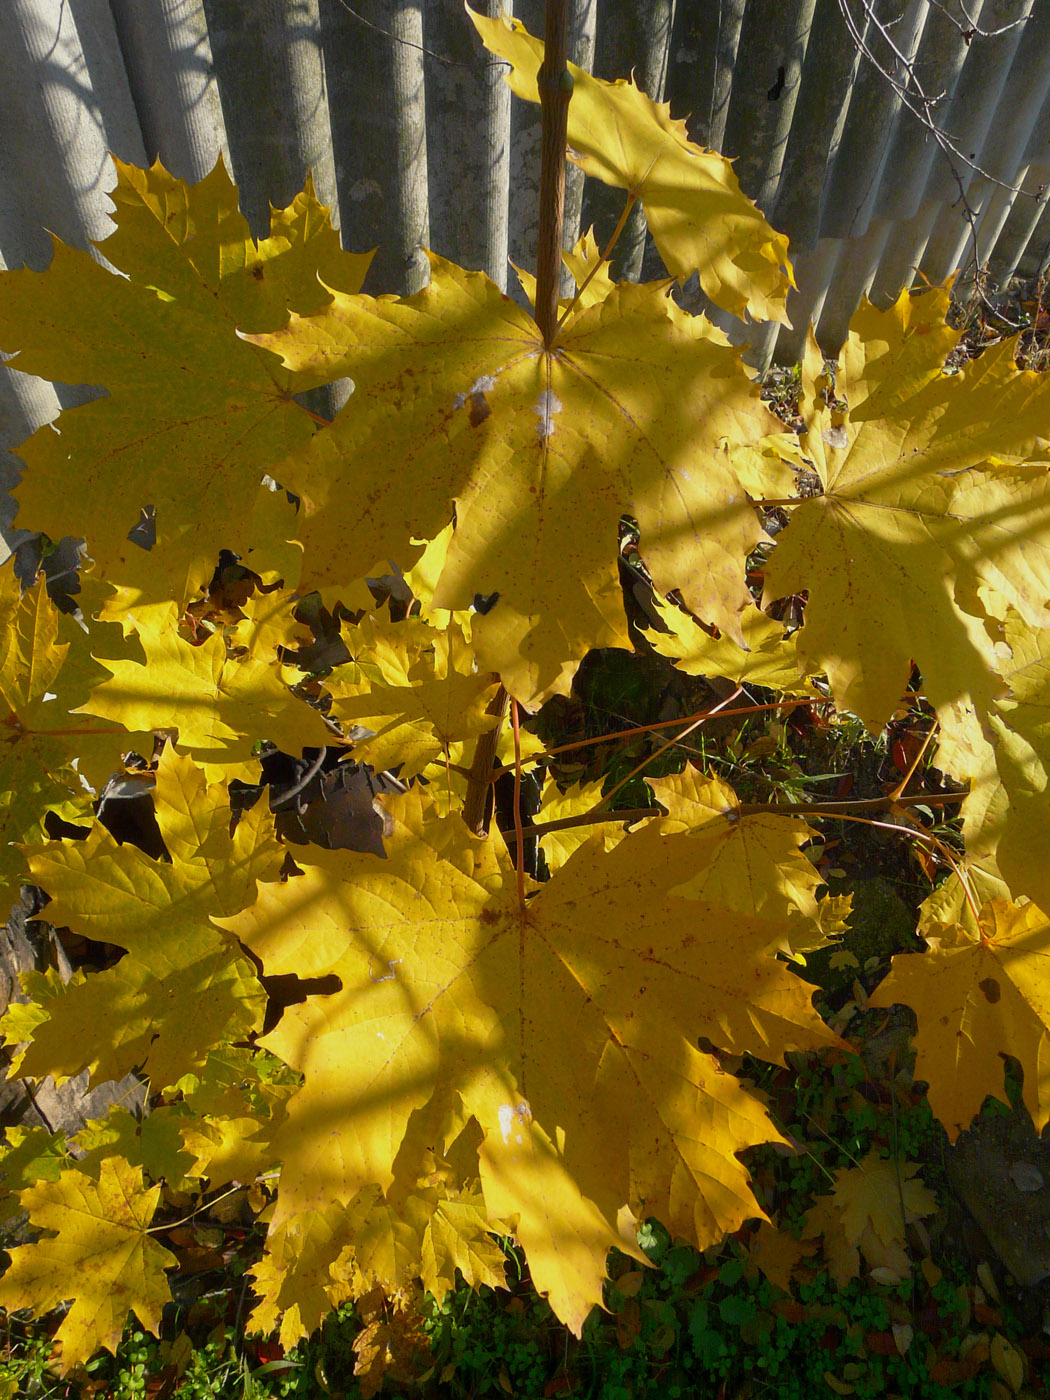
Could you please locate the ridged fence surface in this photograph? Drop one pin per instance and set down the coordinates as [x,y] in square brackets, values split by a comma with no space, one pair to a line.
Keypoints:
[412,137]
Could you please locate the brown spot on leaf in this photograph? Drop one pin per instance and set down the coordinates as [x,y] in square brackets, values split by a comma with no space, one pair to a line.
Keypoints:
[258,274]
[479,409]
[990,987]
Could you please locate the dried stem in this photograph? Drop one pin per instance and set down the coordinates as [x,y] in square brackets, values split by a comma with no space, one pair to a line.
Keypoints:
[640,767]
[862,804]
[898,791]
[844,811]
[475,804]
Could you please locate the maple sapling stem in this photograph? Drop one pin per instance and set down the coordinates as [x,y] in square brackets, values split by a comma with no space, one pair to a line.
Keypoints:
[519,838]
[555,90]
[555,87]
[592,818]
[204,1205]
[687,719]
[928,838]
[543,755]
[304,782]
[448,778]
[861,804]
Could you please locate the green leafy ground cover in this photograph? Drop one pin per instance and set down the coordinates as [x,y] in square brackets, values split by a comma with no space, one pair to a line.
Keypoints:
[704,1325]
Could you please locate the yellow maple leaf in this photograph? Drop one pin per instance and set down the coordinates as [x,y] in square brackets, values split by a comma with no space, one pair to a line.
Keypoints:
[415,687]
[699,218]
[971,993]
[383,1243]
[184,986]
[575,801]
[100,1255]
[925,495]
[1019,734]
[145,583]
[965,751]
[293,1280]
[194,415]
[863,1218]
[221,705]
[230,1144]
[448,984]
[752,864]
[948,903]
[769,658]
[776,1253]
[589,273]
[233,1107]
[541,450]
[457,1239]
[421,1230]
[207,245]
[1004,753]
[566,1236]
[422,579]
[34,764]
[31,655]
[392,1343]
[46,669]
[269,623]
[424,1233]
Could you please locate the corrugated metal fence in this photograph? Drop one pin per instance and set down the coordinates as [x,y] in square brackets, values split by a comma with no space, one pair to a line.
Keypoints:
[412,138]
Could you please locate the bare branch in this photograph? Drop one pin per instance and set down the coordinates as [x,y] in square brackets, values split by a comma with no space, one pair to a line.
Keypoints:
[396,39]
[972,30]
[913,96]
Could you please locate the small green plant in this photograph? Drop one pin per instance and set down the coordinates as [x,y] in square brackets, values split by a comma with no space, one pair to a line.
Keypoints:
[25,1366]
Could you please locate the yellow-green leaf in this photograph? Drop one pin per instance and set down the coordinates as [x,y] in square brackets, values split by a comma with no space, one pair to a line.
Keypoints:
[100,1256]
[567,1029]
[417,689]
[541,451]
[193,415]
[970,994]
[926,496]
[220,705]
[184,986]
[698,216]
[769,657]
